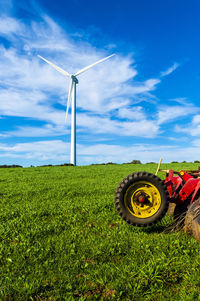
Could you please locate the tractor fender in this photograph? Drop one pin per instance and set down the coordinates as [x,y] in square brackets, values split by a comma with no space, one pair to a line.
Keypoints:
[195,192]
[190,186]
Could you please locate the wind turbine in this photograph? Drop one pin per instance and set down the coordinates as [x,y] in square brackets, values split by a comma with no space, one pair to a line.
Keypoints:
[72,95]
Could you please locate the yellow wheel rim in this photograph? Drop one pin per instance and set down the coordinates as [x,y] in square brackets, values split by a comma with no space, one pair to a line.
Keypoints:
[142,199]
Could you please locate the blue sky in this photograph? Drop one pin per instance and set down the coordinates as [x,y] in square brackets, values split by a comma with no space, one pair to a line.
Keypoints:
[143,103]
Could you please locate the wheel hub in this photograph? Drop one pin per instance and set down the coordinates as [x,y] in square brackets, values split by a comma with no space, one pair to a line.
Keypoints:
[142,199]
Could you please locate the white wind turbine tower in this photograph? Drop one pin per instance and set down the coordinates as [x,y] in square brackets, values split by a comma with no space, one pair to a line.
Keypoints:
[72,95]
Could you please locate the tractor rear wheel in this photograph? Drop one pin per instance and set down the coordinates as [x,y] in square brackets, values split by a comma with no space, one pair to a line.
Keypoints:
[192,220]
[141,199]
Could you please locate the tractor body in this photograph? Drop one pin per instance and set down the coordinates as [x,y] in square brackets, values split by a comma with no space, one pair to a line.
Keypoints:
[142,198]
[183,187]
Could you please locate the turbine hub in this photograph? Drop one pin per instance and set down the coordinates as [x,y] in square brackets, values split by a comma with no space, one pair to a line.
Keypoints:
[74,79]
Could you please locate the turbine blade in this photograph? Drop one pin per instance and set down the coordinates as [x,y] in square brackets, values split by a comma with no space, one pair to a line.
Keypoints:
[71,85]
[90,66]
[56,67]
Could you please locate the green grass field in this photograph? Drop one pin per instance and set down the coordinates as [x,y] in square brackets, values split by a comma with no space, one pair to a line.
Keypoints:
[62,239]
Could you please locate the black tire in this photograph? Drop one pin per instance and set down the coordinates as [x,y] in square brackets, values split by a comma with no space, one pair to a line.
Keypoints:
[127,190]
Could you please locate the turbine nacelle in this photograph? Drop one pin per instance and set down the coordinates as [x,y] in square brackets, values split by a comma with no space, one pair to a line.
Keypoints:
[74,78]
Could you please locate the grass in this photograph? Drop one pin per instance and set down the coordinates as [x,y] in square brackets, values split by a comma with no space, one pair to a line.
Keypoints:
[62,239]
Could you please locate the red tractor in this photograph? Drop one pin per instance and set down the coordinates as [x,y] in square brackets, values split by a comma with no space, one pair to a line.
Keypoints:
[142,198]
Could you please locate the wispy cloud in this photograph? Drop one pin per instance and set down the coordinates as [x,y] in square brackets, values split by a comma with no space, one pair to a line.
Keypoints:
[170,69]
[138,128]
[172,113]
[10,26]
[133,113]
[47,130]
[191,129]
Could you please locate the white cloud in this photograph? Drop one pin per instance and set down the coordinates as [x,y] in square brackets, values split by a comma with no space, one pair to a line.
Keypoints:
[144,154]
[47,130]
[32,105]
[39,146]
[170,69]
[58,151]
[39,151]
[192,129]
[9,26]
[196,142]
[94,124]
[169,113]
[100,125]
[181,101]
[196,120]
[133,113]
[4,135]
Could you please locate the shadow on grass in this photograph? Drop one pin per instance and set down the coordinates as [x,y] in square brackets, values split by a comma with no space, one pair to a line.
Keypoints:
[159,228]
[167,225]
